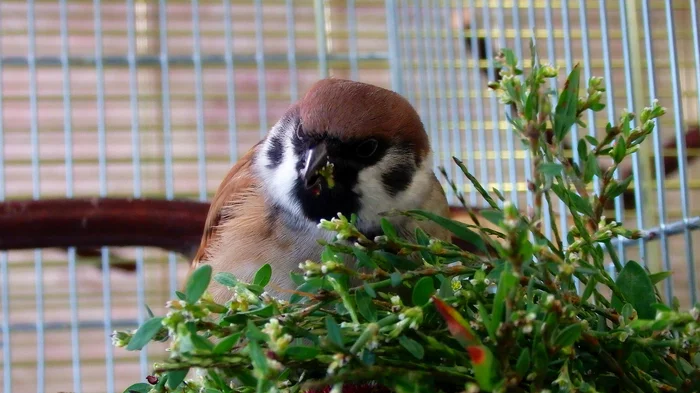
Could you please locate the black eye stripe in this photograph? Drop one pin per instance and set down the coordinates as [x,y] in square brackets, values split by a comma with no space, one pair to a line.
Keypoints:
[276,152]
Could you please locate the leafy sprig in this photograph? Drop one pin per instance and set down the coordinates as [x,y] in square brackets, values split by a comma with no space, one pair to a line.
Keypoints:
[423,315]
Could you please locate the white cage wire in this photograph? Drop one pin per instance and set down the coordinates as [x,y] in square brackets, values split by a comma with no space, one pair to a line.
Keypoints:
[145,98]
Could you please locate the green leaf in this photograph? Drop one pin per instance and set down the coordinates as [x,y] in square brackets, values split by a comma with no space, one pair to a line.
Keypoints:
[370,291]
[482,362]
[616,189]
[256,289]
[480,355]
[640,360]
[582,149]
[531,106]
[176,377]
[365,306]
[486,319]
[475,183]
[618,153]
[144,334]
[459,229]
[180,295]
[412,346]
[198,283]
[590,287]
[568,336]
[597,107]
[523,364]
[262,276]
[363,259]
[388,228]
[498,267]
[627,311]
[253,333]
[395,279]
[226,344]
[397,261]
[661,307]
[297,278]
[636,287]
[445,290]
[551,168]
[492,215]
[201,343]
[506,283]
[311,286]
[334,333]
[422,291]
[328,254]
[591,139]
[591,169]
[626,125]
[139,388]
[148,311]
[567,106]
[423,239]
[257,356]
[301,352]
[580,204]
[511,60]
[658,277]
[498,193]
[226,279]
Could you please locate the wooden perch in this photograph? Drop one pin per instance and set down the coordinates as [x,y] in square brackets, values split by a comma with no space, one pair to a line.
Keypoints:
[92,223]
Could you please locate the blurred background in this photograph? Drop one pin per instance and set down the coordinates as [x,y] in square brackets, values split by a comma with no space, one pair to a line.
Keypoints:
[156,99]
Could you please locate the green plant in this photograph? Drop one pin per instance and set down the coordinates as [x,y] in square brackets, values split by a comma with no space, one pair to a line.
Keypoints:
[506,320]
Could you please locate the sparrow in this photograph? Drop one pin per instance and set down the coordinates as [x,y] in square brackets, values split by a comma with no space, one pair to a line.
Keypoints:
[268,207]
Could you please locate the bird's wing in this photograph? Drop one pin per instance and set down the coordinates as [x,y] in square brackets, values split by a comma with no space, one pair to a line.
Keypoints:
[243,232]
[237,182]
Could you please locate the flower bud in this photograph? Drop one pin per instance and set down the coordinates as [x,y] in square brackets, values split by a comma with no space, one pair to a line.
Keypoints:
[548,71]
[120,339]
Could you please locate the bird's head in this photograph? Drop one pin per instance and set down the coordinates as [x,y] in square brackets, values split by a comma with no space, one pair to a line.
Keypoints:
[347,147]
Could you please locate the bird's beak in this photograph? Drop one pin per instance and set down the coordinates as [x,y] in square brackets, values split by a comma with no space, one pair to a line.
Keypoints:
[316,158]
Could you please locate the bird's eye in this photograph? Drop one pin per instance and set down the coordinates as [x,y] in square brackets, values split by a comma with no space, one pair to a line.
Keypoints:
[297,132]
[367,148]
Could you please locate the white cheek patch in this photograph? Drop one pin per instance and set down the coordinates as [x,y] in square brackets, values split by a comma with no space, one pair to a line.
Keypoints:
[278,182]
[375,198]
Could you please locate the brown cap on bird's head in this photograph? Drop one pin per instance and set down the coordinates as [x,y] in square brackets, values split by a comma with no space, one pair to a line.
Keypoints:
[347,109]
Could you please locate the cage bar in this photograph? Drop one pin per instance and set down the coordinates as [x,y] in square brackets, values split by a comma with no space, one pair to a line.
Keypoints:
[102,173]
[68,140]
[4,260]
[658,162]
[681,148]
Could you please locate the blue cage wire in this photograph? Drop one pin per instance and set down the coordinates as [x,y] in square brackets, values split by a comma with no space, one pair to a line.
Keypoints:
[156,99]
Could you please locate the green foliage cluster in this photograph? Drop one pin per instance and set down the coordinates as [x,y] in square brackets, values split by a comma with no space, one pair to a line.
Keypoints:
[423,315]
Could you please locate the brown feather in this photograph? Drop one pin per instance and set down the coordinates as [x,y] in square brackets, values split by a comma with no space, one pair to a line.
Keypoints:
[343,109]
[236,181]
